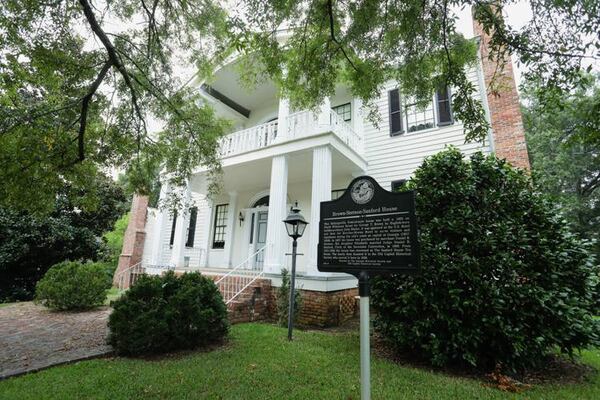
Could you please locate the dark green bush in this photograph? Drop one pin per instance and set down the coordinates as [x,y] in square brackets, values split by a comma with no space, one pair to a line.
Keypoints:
[283,299]
[164,313]
[503,281]
[71,285]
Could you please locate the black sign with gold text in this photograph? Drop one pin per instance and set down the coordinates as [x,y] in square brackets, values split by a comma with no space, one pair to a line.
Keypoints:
[369,229]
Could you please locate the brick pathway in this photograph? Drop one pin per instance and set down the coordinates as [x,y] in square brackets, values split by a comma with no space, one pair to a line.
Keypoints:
[33,337]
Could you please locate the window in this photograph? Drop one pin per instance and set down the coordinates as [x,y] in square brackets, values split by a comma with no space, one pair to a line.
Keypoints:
[191,232]
[444,109]
[220,225]
[344,111]
[172,240]
[418,118]
[336,194]
[395,112]
[398,184]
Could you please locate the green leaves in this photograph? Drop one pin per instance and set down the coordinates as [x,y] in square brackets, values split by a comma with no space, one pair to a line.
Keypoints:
[503,280]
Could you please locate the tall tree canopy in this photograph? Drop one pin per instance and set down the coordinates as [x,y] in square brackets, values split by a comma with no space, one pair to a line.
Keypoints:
[81,80]
[564,157]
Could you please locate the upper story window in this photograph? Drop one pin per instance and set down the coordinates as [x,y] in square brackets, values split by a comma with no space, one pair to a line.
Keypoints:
[344,111]
[220,225]
[419,118]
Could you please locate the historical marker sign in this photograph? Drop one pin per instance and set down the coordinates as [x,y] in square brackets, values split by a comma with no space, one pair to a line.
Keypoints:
[368,229]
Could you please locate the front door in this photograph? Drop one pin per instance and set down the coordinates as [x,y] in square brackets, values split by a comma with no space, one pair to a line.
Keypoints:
[261,237]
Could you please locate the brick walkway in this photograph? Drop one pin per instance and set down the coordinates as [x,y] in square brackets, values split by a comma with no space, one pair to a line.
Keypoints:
[32,337]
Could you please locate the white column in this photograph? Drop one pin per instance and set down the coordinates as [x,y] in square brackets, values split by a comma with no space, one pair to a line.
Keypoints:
[321,191]
[282,120]
[324,117]
[181,225]
[206,231]
[159,228]
[277,237]
[230,229]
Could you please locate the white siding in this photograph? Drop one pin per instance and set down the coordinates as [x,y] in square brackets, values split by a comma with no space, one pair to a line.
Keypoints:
[396,157]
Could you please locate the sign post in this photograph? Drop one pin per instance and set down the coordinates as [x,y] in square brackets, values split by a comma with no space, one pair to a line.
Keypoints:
[365,232]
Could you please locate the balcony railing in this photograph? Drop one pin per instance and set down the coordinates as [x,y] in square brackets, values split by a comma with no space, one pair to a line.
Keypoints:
[299,125]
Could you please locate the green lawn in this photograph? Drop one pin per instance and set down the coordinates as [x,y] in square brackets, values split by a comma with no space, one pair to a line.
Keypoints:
[259,363]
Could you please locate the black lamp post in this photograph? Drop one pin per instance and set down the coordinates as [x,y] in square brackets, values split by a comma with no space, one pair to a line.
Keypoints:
[295,225]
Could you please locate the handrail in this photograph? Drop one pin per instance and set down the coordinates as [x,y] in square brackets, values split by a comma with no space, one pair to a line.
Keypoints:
[246,286]
[119,276]
[240,264]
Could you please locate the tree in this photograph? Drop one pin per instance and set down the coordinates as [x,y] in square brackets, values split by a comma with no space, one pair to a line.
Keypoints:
[365,43]
[31,244]
[564,159]
[80,81]
[504,283]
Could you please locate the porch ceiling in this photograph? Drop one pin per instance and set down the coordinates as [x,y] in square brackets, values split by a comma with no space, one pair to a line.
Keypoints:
[257,173]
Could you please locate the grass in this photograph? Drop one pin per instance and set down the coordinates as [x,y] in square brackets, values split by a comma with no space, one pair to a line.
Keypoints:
[112,295]
[259,363]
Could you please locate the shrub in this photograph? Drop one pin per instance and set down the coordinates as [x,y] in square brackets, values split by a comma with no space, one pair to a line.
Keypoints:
[503,281]
[71,285]
[283,299]
[164,313]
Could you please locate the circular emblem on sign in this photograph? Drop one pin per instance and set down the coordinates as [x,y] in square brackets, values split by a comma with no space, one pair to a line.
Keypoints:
[362,191]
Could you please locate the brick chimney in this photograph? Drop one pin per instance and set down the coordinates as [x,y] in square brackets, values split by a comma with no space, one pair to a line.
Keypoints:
[133,240]
[503,102]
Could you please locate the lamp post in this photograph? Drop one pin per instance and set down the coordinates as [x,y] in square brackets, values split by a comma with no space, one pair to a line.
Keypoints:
[295,225]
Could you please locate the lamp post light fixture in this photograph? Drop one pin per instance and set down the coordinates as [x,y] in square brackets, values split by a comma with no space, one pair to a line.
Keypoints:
[295,224]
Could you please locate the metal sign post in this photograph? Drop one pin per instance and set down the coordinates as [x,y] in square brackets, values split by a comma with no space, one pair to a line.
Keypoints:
[366,231]
[365,336]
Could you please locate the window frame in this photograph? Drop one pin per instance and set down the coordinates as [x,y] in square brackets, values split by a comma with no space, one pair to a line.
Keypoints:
[349,104]
[437,107]
[433,111]
[221,243]
[402,115]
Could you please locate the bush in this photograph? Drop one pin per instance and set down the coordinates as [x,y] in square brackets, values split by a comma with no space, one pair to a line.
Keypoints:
[71,285]
[283,299]
[164,313]
[503,281]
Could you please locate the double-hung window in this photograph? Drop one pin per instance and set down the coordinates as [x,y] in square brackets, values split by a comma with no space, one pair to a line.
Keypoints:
[344,111]
[220,226]
[417,117]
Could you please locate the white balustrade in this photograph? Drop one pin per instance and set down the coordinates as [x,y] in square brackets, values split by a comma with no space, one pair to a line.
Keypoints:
[299,125]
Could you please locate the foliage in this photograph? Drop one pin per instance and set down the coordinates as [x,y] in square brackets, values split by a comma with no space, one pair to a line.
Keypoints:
[85,87]
[565,162]
[283,299]
[73,286]
[31,244]
[164,313]
[503,281]
[114,241]
[416,43]
[263,365]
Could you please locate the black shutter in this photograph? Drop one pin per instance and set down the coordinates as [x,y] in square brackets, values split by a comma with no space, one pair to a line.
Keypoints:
[173,228]
[443,106]
[192,227]
[395,112]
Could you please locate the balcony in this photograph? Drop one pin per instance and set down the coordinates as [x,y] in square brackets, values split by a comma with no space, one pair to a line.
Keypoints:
[299,125]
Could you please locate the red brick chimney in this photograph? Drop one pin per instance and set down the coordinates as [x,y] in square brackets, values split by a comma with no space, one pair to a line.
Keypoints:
[133,240]
[503,102]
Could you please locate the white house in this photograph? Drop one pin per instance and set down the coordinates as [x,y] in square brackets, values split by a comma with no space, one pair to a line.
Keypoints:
[275,157]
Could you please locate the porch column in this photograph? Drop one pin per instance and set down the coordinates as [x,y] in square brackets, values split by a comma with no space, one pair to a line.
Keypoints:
[321,191]
[158,233]
[282,120]
[208,223]
[277,237]
[181,225]
[230,229]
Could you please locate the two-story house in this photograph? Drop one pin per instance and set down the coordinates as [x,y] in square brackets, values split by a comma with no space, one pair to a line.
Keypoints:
[275,157]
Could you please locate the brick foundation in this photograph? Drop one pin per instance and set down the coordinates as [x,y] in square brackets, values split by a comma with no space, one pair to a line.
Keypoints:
[322,309]
[504,107]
